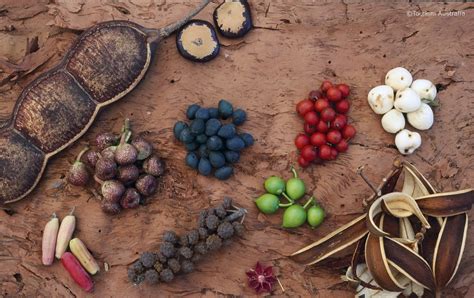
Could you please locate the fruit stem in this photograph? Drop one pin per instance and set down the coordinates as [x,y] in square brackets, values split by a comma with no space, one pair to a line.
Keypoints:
[53,216]
[72,210]
[308,202]
[288,198]
[295,174]
[285,205]
[79,156]
[98,180]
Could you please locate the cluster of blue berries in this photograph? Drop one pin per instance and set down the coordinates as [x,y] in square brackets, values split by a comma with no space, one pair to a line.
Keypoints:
[211,138]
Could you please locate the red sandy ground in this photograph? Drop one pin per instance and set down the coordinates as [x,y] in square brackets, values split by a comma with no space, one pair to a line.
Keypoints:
[295,45]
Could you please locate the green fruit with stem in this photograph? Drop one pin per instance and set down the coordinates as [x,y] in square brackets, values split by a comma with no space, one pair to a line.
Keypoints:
[275,185]
[295,188]
[315,215]
[269,203]
[295,215]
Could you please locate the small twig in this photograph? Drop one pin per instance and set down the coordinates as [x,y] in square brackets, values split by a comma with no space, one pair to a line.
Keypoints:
[281,286]
[361,174]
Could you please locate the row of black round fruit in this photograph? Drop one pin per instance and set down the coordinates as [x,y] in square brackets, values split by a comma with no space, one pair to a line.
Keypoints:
[210,141]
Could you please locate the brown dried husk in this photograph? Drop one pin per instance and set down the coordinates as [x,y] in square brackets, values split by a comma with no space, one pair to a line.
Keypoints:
[398,257]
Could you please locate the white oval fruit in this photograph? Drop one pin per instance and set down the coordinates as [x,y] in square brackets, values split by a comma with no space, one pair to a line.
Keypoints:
[407,141]
[393,121]
[398,78]
[407,100]
[422,118]
[425,89]
[381,99]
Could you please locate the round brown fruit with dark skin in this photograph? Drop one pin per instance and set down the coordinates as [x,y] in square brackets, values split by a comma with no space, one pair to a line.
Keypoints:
[105,168]
[110,207]
[128,174]
[125,154]
[154,166]
[106,139]
[112,190]
[90,158]
[78,174]
[146,185]
[109,152]
[130,199]
[143,147]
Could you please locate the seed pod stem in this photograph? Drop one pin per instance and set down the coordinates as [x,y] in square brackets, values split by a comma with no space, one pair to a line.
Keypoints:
[65,233]
[50,234]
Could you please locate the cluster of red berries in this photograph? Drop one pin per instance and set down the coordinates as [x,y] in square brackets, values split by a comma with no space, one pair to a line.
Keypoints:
[326,131]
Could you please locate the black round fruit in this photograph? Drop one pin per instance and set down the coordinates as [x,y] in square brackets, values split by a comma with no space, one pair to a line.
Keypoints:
[224,173]
[197,126]
[227,131]
[203,151]
[204,166]
[191,146]
[225,109]
[212,127]
[201,139]
[231,156]
[235,144]
[191,111]
[192,160]
[186,136]
[214,143]
[239,116]
[213,113]
[247,138]
[178,127]
[202,113]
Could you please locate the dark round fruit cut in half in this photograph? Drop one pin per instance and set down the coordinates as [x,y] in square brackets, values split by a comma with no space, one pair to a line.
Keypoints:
[233,18]
[197,41]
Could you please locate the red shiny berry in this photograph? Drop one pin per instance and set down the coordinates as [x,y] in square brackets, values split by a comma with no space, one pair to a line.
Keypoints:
[321,104]
[334,136]
[348,132]
[301,140]
[342,146]
[339,122]
[334,153]
[311,118]
[328,114]
[318,139]
[325,85]
[303,162]
[325,152]
[309,153]
[309,128]
[315,94]
[343,106]
[345,90]
[322,126]
[333,94]
[304,107]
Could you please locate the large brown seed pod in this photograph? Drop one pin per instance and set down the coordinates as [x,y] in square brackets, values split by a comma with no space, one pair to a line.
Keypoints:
[105,63]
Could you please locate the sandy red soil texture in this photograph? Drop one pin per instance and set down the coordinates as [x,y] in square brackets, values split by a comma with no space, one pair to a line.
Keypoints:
[293,47]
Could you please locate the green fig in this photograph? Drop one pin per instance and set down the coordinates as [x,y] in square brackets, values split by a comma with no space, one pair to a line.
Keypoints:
[315,216]
[295,215]
[269,203]
[295,188]
[275,185]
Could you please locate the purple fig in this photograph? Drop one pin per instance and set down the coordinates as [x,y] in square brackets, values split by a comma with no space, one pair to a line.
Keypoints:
[106,139]
[90,158]
[128,174]
[125,153]
[112,190]
[110,207]
[146,185]
[130,199]
[105,168]
[109,152]
[78,174]
[154,166]
[143,147]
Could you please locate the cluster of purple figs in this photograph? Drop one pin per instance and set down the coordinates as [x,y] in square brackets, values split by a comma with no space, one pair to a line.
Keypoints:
[125,168]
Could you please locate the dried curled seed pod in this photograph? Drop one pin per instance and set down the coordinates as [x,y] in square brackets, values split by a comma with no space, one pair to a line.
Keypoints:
[128,174]
[105,168]
[143,147]
[106,139]
[154,166]
[146,185]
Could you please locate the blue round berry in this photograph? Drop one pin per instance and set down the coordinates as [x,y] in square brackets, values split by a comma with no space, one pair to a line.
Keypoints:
[201,139]
[224,173]
[197,126]
[191,111]
[235,144]
[192,160]
[212,127]
[225,109]
[204,166]
[227,131]
[202,113]
[203,151]
[214,143]
[231,156]
[178,127]
[213,113]
[186,136]
[191,146]
[217,159]
[247,138]
[239,116]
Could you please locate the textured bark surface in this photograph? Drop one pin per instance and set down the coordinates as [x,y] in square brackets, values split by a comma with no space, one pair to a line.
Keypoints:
[295,45]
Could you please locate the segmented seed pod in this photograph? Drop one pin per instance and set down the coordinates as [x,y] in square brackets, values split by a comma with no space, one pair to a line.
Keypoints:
[81,252]
[74,268]
[50,234]
[65,234]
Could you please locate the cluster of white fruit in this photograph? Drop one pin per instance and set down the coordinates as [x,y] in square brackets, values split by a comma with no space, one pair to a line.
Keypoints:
[399,95]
